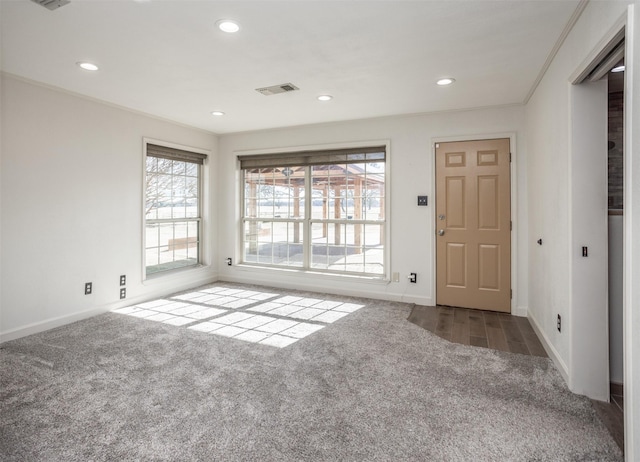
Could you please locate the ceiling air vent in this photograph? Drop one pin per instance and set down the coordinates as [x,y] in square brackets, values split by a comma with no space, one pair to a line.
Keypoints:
[51,4]
[275,89]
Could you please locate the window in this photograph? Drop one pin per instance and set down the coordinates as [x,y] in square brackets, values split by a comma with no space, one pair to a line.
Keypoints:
[172,208]
[316,210]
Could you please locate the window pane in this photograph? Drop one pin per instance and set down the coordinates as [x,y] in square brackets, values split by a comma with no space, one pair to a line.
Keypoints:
[192,239]
[348,247]
[328,250]
[151,200]
[275,193]
[274,243]
[179,186]
[376,156]
[178,208]
[172,194]
[152,164]
[152,238]
[151,209]
[347,215]
[191,169]
[191,187]
[178,167]
[164,166]
[191,208]
[175,245]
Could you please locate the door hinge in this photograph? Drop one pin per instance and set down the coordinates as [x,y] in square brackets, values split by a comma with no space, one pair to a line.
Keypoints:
[509,157]
[511,293]
[511,226]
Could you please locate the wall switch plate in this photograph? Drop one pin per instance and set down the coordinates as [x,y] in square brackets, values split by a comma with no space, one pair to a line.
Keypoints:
[88,288]
[395,277]
[123,280]
[229,261]
[559,323]
[413,277]
[123,293]
[423,200]
[585,251]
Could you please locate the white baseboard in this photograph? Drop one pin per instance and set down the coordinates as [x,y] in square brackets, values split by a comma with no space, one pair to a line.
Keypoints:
[296,282]
[521,311]
[161,289]
[51,323]
[551,351]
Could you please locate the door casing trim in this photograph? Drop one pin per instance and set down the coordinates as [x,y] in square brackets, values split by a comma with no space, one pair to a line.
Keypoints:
[515,309]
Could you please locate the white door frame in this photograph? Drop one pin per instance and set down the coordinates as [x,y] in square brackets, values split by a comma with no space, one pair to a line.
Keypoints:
[631,303]
[515,309]
[628,23]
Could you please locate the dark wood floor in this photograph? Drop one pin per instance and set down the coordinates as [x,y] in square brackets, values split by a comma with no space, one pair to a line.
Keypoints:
[487,329]
[513,334]
[612,414]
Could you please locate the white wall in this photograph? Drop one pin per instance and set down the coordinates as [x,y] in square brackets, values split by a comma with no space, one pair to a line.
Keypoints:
[73,169]
[549,155]
[553,208]
[411,166]
[588,196]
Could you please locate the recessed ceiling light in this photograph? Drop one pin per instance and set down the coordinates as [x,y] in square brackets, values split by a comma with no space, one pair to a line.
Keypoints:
[445,81]
[87,66]
[217,113]
[325,98]
[618,69]
[228,25]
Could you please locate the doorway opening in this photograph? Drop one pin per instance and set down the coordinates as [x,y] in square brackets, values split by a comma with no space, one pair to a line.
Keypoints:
[598,215]
[615,157]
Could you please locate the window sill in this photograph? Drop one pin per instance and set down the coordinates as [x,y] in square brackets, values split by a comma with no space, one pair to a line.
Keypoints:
[378,280]
[162,276]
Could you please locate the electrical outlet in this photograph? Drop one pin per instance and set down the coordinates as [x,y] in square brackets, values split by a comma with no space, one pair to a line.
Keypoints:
[123,280]
[559,323]
[88,288]
[413,277]
[123,293]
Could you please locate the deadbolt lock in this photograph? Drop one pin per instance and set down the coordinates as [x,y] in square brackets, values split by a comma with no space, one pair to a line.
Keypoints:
[440,217]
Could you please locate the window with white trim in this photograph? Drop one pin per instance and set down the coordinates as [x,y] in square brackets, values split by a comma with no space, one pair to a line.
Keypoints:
[173,218]
[316,210]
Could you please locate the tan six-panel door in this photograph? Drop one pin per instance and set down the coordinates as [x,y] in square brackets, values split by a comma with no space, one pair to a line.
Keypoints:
[473,224]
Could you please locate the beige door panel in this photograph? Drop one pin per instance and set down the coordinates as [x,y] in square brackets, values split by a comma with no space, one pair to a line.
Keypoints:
[473,219]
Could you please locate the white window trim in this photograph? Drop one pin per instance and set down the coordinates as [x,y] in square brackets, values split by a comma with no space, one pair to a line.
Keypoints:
[238,252]
[203,201]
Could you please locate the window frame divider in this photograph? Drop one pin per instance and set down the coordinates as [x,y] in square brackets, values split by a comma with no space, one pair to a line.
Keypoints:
[307,244]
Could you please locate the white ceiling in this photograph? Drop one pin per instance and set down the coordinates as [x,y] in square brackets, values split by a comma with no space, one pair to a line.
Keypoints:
[377,58]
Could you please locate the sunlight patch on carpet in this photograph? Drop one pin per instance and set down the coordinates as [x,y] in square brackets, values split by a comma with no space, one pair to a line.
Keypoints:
[252,316]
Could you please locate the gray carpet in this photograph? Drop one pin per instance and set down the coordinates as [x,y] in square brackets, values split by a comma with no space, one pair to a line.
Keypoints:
[370,386]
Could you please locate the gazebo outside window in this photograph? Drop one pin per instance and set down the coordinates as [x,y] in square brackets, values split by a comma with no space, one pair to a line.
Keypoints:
[322,211]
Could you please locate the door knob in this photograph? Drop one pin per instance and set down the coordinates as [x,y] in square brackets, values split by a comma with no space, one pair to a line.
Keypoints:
[441,232]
